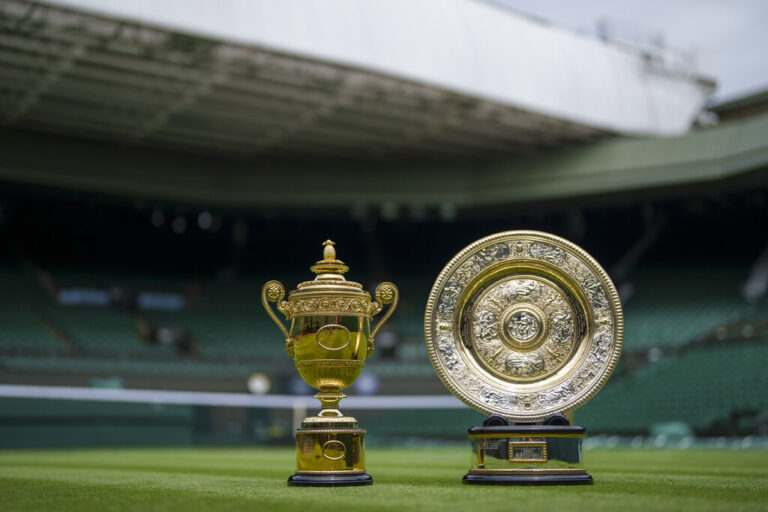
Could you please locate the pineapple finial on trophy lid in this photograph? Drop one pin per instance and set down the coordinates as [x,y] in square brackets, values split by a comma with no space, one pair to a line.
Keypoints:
[329,268]
[329,253]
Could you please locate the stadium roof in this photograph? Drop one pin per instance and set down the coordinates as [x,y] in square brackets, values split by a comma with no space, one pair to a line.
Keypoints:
[340,78]
[742,106]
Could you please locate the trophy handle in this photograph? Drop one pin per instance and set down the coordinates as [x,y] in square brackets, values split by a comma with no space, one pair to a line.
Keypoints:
[273,291]
[386,293]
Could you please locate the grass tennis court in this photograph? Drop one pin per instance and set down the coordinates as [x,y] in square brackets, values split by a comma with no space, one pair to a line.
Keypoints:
[405,479]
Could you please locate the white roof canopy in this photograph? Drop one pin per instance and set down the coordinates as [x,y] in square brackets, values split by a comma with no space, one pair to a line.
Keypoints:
[341,77]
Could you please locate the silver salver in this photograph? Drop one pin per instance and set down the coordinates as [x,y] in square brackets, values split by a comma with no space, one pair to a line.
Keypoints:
[523,324]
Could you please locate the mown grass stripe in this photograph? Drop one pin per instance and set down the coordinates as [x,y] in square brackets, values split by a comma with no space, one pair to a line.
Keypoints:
[405,479]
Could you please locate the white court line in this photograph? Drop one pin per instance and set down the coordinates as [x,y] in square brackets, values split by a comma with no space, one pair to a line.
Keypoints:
[227,399]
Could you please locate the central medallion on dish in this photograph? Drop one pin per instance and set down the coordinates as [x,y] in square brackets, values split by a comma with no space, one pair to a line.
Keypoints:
[523,327]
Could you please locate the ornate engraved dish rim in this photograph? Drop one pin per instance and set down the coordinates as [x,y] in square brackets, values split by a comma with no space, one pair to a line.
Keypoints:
[509,236]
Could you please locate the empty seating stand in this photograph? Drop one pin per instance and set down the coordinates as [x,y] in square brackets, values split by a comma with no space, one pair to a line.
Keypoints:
[701,386]
[672,306]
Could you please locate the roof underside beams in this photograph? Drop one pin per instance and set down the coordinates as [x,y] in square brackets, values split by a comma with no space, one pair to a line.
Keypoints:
[470,47]
[69,72]
[610,167]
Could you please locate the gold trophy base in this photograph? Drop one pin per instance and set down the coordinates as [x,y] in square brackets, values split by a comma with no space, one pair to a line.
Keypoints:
[527,455]
[330,452]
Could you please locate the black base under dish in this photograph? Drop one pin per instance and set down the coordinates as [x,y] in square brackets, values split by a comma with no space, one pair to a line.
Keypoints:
[500,479]
[329,480]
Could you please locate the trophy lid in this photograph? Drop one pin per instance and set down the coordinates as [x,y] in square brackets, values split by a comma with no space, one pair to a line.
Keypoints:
[329,268]
[343,296]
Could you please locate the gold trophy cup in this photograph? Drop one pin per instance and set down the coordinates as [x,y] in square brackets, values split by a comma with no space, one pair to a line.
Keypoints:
[329,339]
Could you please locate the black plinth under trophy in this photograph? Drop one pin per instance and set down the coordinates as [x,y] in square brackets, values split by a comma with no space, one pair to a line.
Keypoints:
[329,481]
[548,453]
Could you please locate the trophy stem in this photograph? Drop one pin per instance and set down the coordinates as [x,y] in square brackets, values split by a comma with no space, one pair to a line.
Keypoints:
[329,403]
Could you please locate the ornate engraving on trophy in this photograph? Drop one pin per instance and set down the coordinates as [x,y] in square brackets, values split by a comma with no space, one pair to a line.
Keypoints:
[547,252]
[523,326]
